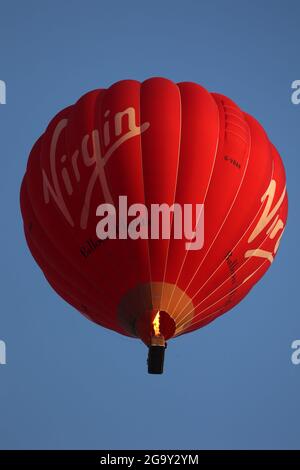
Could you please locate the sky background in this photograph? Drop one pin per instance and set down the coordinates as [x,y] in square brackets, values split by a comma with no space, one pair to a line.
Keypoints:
[68,383]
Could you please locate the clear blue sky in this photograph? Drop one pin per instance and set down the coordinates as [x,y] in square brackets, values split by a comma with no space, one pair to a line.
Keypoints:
[70,384]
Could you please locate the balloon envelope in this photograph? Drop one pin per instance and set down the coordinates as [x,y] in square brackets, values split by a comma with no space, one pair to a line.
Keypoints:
[154,142]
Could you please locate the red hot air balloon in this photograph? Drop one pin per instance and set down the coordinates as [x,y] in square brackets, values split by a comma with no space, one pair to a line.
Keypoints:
[153,143]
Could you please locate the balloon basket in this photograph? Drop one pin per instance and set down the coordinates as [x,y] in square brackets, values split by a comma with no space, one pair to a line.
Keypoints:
[156,355]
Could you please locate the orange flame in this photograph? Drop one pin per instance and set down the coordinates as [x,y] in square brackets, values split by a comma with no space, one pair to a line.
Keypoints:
[156,324]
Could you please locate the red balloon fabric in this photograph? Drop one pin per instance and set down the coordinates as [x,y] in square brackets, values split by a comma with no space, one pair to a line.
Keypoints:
[154,142]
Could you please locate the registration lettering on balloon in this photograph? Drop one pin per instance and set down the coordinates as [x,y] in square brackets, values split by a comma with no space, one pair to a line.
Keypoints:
[98,160]
[232,161]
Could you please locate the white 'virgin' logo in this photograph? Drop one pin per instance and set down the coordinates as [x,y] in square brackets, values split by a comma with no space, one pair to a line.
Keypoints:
[96,159]
[267,216]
